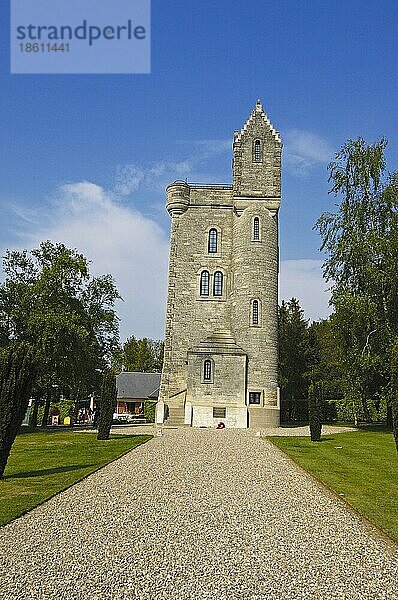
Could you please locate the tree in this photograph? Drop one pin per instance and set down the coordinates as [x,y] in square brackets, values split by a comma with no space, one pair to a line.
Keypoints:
[18,370]
[49,300]
[144,355]
[326,358]
[107,404]
[295,352]
[361,240]
[315,410]
[394,399]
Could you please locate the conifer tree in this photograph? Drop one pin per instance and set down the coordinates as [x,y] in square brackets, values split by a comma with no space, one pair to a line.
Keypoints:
[315,411]
[107,405]
[18,369]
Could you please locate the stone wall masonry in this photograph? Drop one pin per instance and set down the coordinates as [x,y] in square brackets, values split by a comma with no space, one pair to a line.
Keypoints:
[250,272]
[228,384]
[257,178]
[255,267]
[191,318]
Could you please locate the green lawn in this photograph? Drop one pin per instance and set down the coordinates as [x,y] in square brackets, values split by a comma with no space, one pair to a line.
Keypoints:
[364,471]
[42,464]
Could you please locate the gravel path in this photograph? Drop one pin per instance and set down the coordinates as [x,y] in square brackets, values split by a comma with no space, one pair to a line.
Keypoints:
[196,514]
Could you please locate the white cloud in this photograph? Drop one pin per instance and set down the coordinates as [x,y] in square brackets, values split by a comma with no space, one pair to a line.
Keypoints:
[305,150]
[128,179]
[158,175]
[118,240]
[302,279]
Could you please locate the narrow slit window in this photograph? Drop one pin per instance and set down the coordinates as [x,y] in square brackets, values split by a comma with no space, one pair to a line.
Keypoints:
[256,229]
[218,282]
[257,151]
[255,312]
[204,283]
[207,370]
[212,240]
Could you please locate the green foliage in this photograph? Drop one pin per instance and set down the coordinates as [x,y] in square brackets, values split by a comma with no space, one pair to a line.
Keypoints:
[143,355]
[394,398]
[107,404]
[360,466]
[49,300]
[295,351]
[327,368]
[361,240]
[18,370]
[65,407]
[149,411]
[42,464]
[315,411]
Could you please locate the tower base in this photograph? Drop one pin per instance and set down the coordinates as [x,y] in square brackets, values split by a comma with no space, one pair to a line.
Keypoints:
[261,418]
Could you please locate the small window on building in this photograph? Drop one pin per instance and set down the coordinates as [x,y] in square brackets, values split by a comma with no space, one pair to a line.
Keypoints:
[254,397]
[218,281]
[256,229]
[219,413]
[257,151]
[255,312]
[204,283]
[207,370]
[212,246]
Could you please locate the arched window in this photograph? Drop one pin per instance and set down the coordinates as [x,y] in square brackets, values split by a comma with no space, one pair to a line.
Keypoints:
[207,370]
[255,312]
[212,247]
[257,151]
[217,287]
[204,283]
[256,229]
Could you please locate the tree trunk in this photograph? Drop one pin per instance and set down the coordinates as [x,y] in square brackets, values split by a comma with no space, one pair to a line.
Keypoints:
[44,422]
[366,412]
[33,416]
[389,422]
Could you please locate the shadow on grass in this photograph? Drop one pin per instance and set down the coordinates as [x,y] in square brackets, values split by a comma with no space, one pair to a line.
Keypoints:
[45,472]
[375,427]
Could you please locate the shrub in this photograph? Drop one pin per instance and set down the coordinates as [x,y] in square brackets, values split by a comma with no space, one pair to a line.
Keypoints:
[315,411]
[107,405]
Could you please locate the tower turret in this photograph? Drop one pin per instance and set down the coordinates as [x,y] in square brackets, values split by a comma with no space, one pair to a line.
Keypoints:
[257,190]
[257,158]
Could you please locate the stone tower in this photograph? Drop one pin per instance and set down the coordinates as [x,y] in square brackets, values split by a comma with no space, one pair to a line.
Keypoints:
[220,361]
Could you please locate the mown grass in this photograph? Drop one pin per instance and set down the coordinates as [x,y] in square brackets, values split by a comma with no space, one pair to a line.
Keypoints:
[361,467]
[41,464]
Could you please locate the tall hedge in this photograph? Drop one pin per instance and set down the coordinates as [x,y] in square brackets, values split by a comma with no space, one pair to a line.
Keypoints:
[315,411]
[107,405]
[18,370]
[394,396]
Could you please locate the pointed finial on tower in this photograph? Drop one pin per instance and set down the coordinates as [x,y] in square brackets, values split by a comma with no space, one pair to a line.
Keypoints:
[258,114]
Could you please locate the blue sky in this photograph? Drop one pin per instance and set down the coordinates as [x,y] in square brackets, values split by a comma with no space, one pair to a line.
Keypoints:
[85,158]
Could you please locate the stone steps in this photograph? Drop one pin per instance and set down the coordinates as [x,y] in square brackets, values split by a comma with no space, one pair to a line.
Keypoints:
[176,417]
